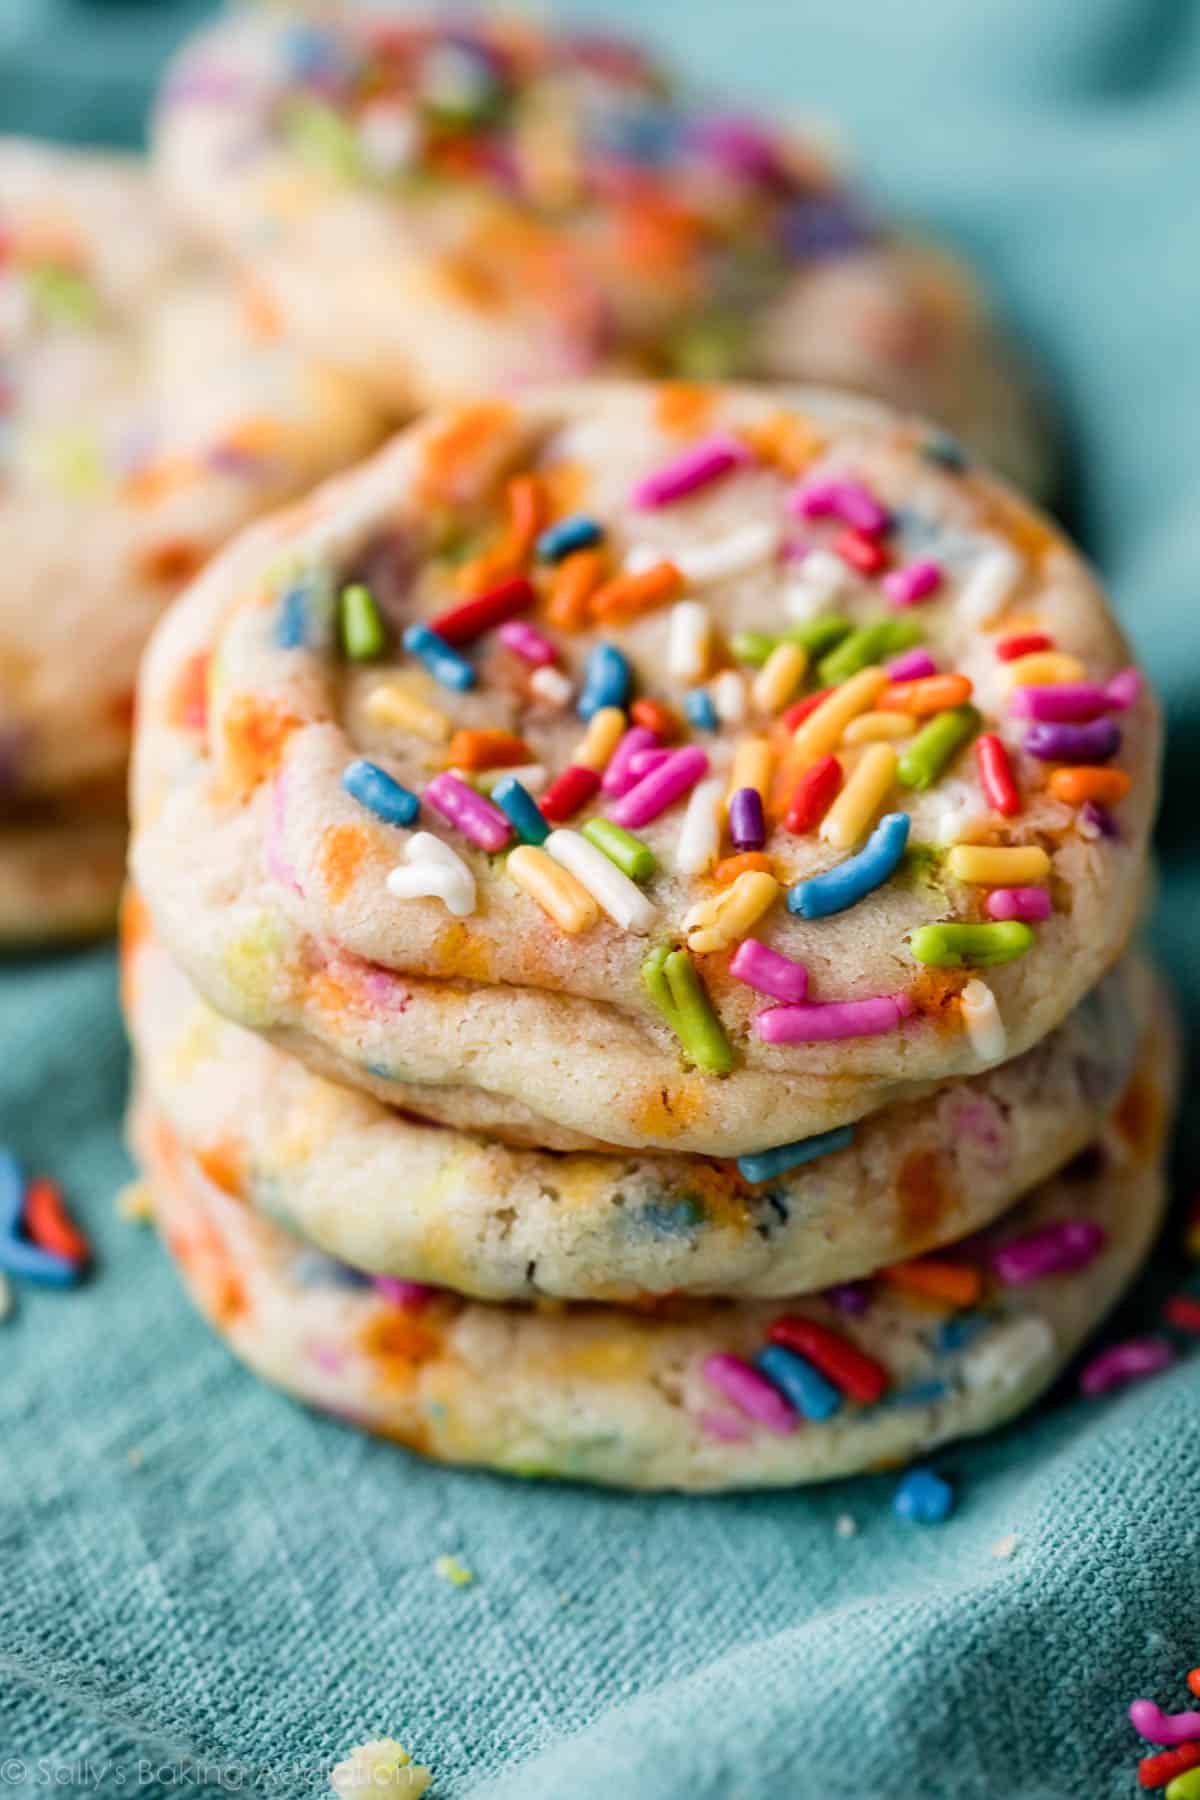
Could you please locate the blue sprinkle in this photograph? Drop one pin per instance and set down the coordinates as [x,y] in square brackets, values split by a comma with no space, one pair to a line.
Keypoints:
[698,705]
[923,1497]
[798,1381]
[921,1393]
[957,1333]
[671,1216]
[764,1165]
[858,876]
[443,662]
[313,1269]
[521,810]
[17,1255]
[939,447]
[607,680]
[576,533]
[373,788]
[291,630]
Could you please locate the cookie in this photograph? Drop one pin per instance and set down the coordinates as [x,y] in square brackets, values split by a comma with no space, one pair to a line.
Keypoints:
[452,205]
[384,1192]
[150,409]
[677,1396]
[939,781]
[60,881]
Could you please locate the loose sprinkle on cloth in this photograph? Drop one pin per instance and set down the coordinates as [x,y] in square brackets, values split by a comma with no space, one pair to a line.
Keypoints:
[382,1767]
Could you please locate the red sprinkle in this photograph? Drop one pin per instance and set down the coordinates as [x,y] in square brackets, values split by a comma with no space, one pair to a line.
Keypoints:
[800,709]
[568,792]
[866,554]
[840,1361]
[654,716]
[1184,1313]
[470,620]
[995,772]
[813,795]
[1157,1771]
[1024,643]
[1193,1680]
[47,1224]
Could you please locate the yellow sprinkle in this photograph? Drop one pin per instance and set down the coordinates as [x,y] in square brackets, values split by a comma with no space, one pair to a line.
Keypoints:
[1044,668]
[449,1568]
[605,731]
[853,812]
[1012,867]
[751,767]
[822,730]
[558,893]
[878,727]
[779,677]
[135,1202]
[715,924]
[390,705]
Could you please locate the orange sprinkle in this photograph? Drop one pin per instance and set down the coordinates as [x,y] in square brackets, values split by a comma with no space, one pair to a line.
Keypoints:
[343,848]
[255,436]
[955,1283]
[575,581]
[488,750]
[785,439]
[1074,786]
[627,595]
[683,408]
[728,871]
[188,704]
[928,694]
[224,1164]
[256,734]
[159,479]
[451,453]
[510,556]
[653,715]
[259,310]
[173,561]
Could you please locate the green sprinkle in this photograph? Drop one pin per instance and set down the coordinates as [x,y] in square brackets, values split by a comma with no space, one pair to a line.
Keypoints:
[869,644]
[362,628]
[674,986]
[752,646]
[818,635]
[709,348]
[320,134]
[632,857]
[61,295]
[935,745]
[952,946]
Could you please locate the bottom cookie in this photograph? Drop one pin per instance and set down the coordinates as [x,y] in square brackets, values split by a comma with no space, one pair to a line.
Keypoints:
[59,880]
[672,1397]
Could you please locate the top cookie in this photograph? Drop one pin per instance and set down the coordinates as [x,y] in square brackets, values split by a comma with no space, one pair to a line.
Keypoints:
[454,205]
[846,780]
[148,410]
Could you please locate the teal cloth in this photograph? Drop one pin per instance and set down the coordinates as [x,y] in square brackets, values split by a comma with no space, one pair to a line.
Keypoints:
[202,1587]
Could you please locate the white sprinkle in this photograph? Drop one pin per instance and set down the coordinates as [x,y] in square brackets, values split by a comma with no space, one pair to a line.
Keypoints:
[550,685]
[688,641]
[845,1526]
[639,558]
[985,1027]
[532,777]
[382,1768]
[820,578]
[700,834]
[735,554]
[434,871]
[729,697]
[387,137]
[1009,1355]
[610,887]
[989,583]
[1005,1547]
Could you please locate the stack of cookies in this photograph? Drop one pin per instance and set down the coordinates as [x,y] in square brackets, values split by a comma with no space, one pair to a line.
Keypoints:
[628,958]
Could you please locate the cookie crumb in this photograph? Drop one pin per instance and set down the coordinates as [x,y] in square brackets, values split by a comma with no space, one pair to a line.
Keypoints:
[845,1526]
[450,1569]
[382,1767]
[135,1202]
[1005,1546]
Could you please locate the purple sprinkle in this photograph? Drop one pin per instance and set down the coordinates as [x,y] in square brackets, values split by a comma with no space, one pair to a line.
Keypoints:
[1131,1361]
[913,583]
[750,1392]
[850,1297]
[824,225]
[1124,690]
[1067,702]
[914,665]
[409,1296]
[620,775]
[738,145]
[1096,821]
[1054,1250]
[474,816]
[747,828]
[1094,743]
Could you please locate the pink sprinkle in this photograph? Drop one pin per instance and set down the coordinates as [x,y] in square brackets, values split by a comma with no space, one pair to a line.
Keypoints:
[769,972]
[1131,1361]
[796,549]
[274,855]
[694,469]
[409,1296]
[1164,1728]
[644,762]
[327,1357]
[1030,904]
[474,816]
[1125,688]
[620,776]
[815,1024]
[914,665]
[527,642]
[750,1392]
[726,1426]
[1070,702]
[913,583]
[848,501]
[1054,1250]
[660,789]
